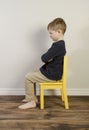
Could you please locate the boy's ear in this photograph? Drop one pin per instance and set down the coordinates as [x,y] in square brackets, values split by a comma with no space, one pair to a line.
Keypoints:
[58,30]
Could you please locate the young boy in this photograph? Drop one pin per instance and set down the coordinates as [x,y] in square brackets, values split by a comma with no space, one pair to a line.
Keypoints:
[52,69]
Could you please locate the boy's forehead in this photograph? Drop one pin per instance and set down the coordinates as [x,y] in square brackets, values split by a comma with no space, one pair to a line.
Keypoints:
[51,31]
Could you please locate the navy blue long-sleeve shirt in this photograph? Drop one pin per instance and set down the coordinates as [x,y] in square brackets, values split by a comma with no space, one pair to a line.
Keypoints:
[53,59]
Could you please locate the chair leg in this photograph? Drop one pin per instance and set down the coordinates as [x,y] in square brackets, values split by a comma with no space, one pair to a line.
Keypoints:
[41,98]
[62,96]
[65,100]
[66,103]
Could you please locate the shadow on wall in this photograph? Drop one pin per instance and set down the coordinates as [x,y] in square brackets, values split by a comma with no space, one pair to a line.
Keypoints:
[39,46]
[78,63]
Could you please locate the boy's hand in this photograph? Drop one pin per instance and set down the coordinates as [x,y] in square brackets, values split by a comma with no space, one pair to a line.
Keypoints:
[50,60]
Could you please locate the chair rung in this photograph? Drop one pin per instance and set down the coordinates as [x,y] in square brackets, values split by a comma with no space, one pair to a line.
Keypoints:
[52,87]
[51,83]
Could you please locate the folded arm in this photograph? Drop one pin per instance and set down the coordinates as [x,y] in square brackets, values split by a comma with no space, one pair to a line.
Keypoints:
[51,53]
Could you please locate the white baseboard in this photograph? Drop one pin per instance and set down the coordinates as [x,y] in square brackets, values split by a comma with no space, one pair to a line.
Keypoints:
[21,91]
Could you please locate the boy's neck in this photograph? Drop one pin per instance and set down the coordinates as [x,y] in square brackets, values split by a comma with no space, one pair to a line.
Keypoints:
[61,38]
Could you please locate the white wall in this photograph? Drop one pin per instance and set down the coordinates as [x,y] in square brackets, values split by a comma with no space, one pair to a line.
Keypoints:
[24,38]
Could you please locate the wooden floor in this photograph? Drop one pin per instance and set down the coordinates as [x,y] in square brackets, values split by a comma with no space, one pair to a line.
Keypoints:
[53,117]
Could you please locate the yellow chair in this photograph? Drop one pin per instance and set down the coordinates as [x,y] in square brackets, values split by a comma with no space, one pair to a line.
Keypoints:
[61,84]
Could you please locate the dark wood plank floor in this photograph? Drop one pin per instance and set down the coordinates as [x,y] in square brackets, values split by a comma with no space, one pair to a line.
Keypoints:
[53,117]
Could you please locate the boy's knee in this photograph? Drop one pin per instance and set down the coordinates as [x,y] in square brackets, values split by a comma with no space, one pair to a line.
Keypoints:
[29,76]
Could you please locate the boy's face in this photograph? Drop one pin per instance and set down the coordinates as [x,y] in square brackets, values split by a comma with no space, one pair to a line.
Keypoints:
[54,35]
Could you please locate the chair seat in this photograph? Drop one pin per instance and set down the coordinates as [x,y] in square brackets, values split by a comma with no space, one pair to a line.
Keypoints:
[57,82]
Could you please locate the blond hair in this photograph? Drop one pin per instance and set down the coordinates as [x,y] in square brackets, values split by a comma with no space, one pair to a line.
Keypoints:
[56,24]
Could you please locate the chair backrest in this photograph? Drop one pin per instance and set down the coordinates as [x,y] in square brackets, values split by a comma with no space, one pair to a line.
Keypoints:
[64,68]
